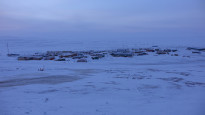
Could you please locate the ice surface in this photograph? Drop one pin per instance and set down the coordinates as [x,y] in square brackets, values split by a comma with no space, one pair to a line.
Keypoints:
[144,85]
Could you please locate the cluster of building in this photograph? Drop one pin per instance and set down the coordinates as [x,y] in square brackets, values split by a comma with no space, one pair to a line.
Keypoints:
[84,56]
[80,56]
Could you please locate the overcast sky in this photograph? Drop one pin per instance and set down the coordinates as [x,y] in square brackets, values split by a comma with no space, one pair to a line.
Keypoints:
[103,18]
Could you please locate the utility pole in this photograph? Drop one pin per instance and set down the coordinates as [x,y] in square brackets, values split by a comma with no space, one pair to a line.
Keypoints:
[7,48]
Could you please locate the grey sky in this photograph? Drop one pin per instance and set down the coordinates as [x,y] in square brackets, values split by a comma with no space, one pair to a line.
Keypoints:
[102,18]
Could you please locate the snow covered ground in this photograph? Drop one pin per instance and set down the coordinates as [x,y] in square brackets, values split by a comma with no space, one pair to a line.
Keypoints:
[142,85]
